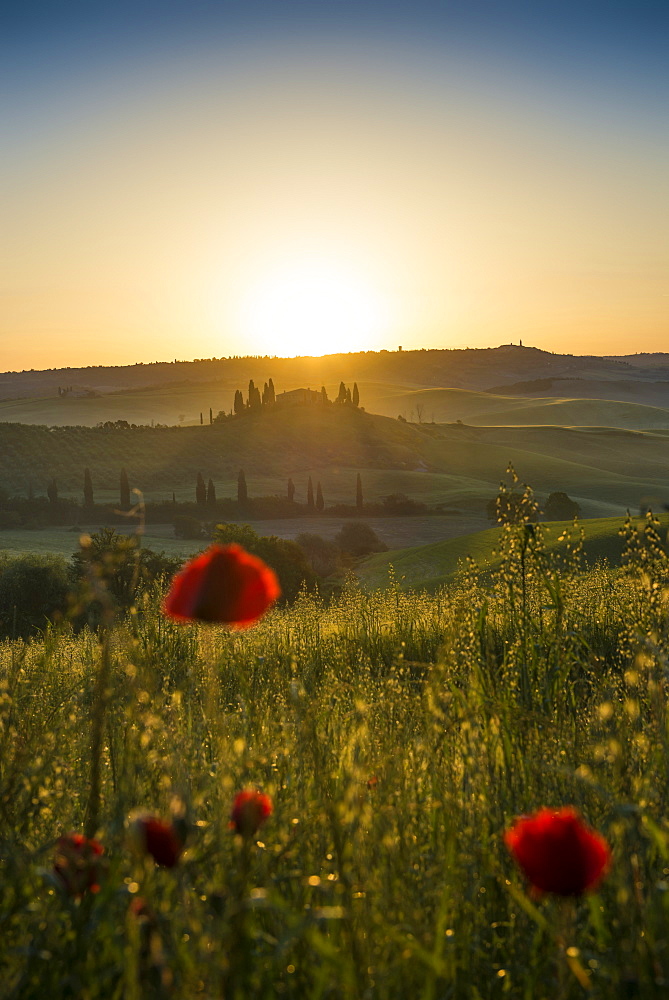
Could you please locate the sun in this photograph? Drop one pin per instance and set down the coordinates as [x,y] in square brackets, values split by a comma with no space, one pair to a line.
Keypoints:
[311,308]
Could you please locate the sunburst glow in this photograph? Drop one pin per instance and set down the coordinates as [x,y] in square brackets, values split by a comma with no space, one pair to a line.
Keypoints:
[313,308]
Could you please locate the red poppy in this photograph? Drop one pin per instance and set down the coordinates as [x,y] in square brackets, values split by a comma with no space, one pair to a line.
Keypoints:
[153,836]
[558,852]
[225,584]
[249,810]
[77,863]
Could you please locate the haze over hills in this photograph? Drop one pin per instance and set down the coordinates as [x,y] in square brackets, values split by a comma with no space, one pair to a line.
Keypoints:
[440,385]
[595,428]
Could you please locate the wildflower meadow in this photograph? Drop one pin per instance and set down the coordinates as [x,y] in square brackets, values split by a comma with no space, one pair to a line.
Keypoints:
[460,795]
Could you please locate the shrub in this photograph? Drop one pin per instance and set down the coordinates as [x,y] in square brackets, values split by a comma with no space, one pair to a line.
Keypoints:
[560,507]
[120,564]
[186,526]
[33,591]
[357,538]
[323,556]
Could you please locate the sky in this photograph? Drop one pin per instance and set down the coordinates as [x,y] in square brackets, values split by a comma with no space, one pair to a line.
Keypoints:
[206,179]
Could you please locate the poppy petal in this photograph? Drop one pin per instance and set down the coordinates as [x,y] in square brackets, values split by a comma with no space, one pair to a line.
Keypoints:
[558,852]
[225,584]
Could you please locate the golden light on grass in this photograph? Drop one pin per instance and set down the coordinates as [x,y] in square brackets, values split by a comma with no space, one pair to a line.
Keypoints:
[313,307]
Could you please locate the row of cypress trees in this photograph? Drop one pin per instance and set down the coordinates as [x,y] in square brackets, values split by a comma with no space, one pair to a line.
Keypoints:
[254,399]
[205,492]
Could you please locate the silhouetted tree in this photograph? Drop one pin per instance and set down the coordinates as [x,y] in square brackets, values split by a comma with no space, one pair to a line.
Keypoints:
[291,490]
[324,395]
[124,490]
[211,493]
[201,420]
[357,538]
[310,495]
[341,395]
[358,492]
[265,394]
[320,503]
[200,489]
[271,394]
[88,489]
[560,507]
[52,491]
[252,389]
[239,402]
[211,415]
[355,395]
[348,396]
[33,588]
[242,491]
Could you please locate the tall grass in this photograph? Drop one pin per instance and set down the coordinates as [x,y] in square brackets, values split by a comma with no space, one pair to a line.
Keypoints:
[398,735]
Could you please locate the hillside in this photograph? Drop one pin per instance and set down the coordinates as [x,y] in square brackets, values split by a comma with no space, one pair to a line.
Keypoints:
[177,392]
[605,469]
[430,566]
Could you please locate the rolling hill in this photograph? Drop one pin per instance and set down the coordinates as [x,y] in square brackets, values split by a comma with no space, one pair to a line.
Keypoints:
[605,469]
[447,385]
[431,566]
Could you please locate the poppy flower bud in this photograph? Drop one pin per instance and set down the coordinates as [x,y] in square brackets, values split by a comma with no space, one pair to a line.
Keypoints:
[77,864]
[153,836]
[558,852]
[249,810]
[226,585]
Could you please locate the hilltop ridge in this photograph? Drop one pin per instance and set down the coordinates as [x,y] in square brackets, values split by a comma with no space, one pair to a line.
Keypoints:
[179,391]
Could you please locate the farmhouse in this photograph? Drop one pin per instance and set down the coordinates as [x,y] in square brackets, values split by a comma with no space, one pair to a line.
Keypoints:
[298,397]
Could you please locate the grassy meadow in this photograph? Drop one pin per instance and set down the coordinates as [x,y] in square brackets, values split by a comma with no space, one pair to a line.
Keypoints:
[429,566]
[398,734]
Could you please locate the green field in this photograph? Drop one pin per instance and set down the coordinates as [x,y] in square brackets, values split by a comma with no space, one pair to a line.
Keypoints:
[607,470]
[430,566]
[395,532]
[398,735]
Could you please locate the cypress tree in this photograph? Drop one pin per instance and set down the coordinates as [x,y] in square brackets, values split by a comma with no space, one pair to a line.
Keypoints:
[348,396]
[324,395]
[310,495]
[239,402]
[291,490]
[355,396]
[200,489]
[211,493]
[320,502]
[211,416]
[358,493]
[341,395]
[201,420]
[252,389]
[242,491]
[52,491]
[124,489]
[271,394]
[88,489]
